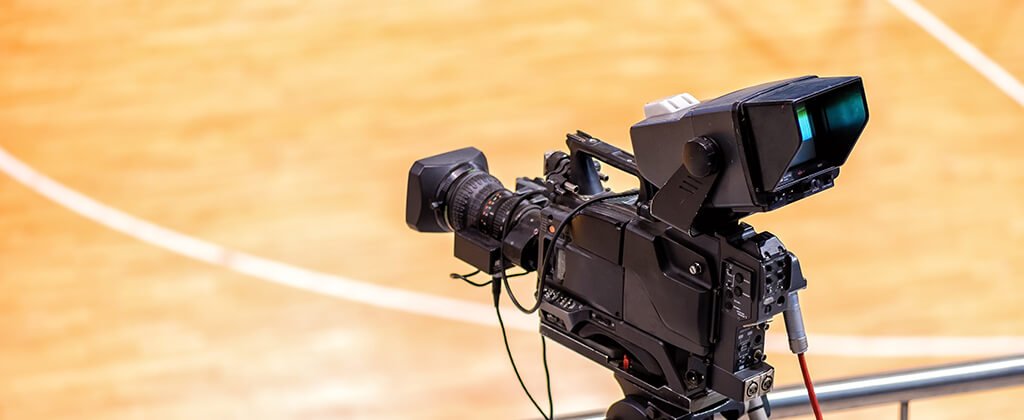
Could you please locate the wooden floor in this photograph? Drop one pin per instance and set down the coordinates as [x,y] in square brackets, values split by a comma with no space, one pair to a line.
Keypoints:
[285,129]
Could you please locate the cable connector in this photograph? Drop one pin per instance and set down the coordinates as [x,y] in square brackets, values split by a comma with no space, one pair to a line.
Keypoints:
[795,325]
[798,345]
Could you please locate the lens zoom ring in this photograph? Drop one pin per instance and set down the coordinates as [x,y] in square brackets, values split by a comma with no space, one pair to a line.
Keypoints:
[497,210]
[467,197]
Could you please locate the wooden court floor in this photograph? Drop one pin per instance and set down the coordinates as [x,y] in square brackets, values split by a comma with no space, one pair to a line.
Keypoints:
[285,130]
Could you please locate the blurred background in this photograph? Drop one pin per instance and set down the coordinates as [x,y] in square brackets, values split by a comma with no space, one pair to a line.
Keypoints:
[285,130]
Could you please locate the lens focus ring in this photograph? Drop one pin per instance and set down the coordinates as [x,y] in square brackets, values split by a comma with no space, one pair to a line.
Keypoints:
[467,197]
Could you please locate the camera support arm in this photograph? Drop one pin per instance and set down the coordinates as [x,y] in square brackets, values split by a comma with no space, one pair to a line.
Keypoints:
[680,200]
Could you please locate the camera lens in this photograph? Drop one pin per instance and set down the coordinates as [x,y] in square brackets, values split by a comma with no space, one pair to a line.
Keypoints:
[478,200]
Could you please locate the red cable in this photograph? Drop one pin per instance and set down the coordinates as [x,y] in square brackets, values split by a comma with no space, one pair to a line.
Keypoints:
[810,386]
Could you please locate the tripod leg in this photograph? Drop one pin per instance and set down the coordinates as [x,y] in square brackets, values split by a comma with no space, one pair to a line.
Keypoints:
[757,409]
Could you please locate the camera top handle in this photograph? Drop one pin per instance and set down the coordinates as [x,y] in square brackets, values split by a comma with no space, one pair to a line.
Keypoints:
[584,148]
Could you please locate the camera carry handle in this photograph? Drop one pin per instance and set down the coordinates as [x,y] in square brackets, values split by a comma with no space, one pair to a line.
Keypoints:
[584,148]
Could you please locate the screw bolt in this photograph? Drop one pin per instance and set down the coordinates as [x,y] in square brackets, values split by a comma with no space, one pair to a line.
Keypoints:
[696,268]
[694,378]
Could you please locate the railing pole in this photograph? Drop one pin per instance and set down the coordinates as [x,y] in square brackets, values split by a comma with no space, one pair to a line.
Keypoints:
[901,387]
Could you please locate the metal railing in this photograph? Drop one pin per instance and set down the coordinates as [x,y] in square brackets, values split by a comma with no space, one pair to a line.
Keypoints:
[893,387]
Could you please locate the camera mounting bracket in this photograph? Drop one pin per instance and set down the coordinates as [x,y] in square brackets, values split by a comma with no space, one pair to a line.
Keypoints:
[680,200]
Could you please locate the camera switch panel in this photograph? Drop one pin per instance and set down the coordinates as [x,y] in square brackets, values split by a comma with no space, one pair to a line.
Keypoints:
[776,286]
[749,347]
[737,290]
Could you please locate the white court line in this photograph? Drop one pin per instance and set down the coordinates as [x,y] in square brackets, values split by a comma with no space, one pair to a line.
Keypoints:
[440,306]
[261,268]
[962,48]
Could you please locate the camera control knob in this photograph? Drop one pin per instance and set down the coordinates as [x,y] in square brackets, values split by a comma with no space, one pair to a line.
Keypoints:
[669,105]
[700,156]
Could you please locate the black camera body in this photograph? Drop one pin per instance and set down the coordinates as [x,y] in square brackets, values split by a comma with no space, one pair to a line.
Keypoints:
[665,287]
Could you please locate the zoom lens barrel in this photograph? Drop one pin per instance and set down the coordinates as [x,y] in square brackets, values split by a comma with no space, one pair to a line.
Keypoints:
[453,191]
[477,200]
[466,198]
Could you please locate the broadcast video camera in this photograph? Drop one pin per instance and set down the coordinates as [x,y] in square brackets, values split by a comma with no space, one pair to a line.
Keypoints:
[663,285]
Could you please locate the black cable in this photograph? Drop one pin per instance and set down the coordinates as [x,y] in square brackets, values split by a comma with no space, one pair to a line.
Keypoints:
[465,277]
[548,250]
[547,375]
[504,231]
[541,272]
[496,291]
